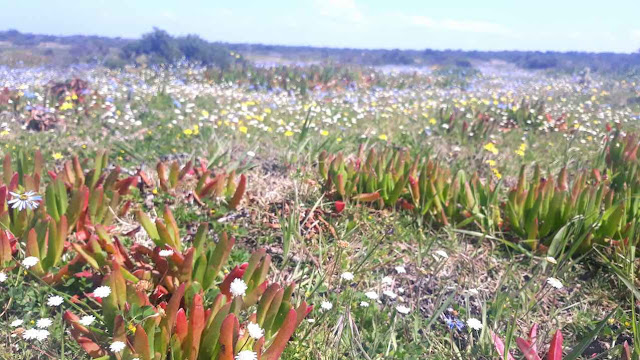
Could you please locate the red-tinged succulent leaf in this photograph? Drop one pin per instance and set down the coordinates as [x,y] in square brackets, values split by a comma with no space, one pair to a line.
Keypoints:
[148,226]
[161,168]
[118,284]
[555,349]
[208,187]
[282,338]
[527,349]
[141,343]
[73,320]
[218,259]
[265,303]
[228,337]
[145,178]
[258,348]
[79,174]
[627,351]
[367,197]
[499,344]
[186,169]
[34,250]
[3,199]
[171,310]
[119,330]
[124,185]
[237,196]
[236,273]
[13,184]
[5,248]
[533,337]
[196,326]
[172,226]
[165,236]
[7,171]
[89,346]
[302,311]
[182,326]
[187,266]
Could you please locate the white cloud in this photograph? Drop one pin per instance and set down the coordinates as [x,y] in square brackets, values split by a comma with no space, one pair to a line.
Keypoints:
[635,34]
[460,25]
[343,10]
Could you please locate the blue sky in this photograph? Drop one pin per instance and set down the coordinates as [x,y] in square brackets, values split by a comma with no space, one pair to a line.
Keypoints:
[589,25]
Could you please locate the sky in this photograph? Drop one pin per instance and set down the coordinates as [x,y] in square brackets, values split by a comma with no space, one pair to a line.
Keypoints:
[559,25]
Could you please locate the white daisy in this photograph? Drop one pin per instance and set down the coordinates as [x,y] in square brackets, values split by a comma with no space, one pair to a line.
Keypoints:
[55,300]
[326,305]
[474,324]
[246,355]
[28,200]
[3,277]
[255,331]
[42,335]
[30,261]
[372,295]
[102,292]
[44,323]
[16,323]
[389,294]
[165,253]
[251,154]
[401,270]
[387,280]
[238,287]
[30,334]
[364,304]
[117,346]
[348,276]
[555,283]
[87,320]
[403,309]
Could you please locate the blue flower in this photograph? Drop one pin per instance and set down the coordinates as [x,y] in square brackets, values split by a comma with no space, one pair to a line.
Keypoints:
[453,323]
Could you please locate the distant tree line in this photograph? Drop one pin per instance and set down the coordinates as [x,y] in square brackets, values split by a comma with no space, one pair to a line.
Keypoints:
[564,61]
[160,47]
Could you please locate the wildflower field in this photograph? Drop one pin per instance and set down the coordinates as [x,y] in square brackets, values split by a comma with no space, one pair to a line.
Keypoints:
[318,212]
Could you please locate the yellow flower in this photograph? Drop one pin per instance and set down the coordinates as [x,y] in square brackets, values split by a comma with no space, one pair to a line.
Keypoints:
[243,129]
[491,163]
[205,113]
[154,191]
[490,147]
[288,133]
[496,173]
[432,121]
[66,106]
[4,132]
[132,328]
[74,97]
[196,129]
[187,132]
[57,156]
[382,137]
[84,146]
[339,139]
[324,133]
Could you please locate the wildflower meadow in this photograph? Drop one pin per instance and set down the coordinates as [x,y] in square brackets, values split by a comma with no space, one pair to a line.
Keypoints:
[181,211]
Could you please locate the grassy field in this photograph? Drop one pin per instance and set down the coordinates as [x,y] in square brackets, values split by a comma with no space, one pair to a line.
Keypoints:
[439,215]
